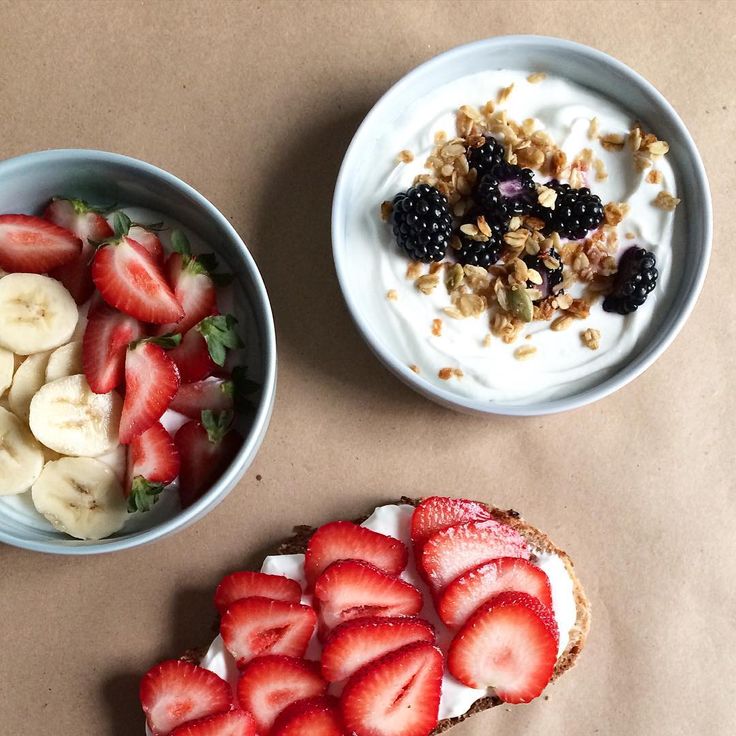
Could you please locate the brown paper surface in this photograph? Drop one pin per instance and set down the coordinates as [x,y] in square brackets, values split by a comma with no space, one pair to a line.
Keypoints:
[254,103]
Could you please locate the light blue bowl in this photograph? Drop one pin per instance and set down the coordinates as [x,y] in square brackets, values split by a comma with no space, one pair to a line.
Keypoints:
[589,68]
[26,185]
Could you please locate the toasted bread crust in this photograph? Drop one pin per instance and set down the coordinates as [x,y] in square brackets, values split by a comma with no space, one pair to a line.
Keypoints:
[297,544]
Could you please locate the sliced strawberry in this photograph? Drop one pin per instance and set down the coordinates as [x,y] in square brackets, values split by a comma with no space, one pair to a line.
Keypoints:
[130,280]
[510,644]
[354,644]
[153,462]
[106,339]
[343,540]
[151,381]
[239,585]
[466,593]
[270,684]
[397,695]
[215,394]
[448,554]
[255,626]
[311,717]
[351,589]
[206,449]
[91,228]
[234,723]
[32,245]
[148,239]
[175,692]
[439,512]
[205,347]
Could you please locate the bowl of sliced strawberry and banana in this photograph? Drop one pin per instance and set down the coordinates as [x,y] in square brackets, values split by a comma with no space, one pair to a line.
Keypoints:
[399,626]
[122,380]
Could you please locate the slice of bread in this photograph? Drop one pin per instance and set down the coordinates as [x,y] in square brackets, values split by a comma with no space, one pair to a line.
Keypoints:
[536,539]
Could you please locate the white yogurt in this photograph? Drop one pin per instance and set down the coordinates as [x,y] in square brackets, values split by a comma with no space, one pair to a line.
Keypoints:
[395,521]
[561,365]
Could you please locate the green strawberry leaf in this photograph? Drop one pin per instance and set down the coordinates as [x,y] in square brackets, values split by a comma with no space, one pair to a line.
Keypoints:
[220,336]
[240,387]
[154,227]
[217,424]
[120,224]
[143,494]
[180,243]
[167,341]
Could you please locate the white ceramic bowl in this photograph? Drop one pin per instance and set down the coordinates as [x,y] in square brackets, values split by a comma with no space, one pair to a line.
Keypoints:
[26,184]
[589,68]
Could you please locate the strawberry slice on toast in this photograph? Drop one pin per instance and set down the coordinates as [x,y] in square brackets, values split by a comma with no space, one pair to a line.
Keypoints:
[310,717]
[153,463]
[246,584]
[436,513]
[31,245]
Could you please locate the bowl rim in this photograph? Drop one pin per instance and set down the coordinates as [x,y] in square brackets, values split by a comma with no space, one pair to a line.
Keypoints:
[264,316]
[629,371]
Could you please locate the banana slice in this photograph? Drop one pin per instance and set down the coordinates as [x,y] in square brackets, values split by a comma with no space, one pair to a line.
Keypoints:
[30,375]
[65,361]
[7,368]
[21,457]
[67,416]
[36,313]
[80,496]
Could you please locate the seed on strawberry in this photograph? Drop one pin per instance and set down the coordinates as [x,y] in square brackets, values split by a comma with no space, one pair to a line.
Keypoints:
[436,513]
[239,585]
[311,717]
[477,586]
[151,381]
[354,644]
[255,626]
[176,692]
[153,463]
[206,449]
[342,540]
[448,554]
[351,589]
[397,695]
[269,684]
[104,346]
[32,245]
[234,723]
[510,644]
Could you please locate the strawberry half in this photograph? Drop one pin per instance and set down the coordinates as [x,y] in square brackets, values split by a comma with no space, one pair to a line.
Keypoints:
[310,717]
[510,644]
[343,540]
[153,463]
[146,236]
[89,225]
[437,513]
[448,554]
[129,279]
[151,382]
[175,692]
[351,589]
[239,585]
[206,449]
[104,345]
[215,394]
[397,695]
[205,346]
[234,723]
[270,684]
[252,627]
[354,644]
[32,245]
[468,592]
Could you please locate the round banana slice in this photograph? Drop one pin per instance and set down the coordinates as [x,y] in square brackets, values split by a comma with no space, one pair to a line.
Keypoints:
[7,368]
[36,313]
[65,361]
[29,376]
[21,457]
[67,416]
[80,496]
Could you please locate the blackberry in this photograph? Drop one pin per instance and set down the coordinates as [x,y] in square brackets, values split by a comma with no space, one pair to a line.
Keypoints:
[576,211]
[422,223]
[506,191]
[551,277]
[485,158]
[636,277]
[482,253]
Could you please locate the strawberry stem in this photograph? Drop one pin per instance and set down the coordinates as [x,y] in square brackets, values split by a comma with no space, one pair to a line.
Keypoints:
[143,494]
[217,424]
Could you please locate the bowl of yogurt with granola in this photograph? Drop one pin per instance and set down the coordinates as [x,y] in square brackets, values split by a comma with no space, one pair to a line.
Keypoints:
[521,226]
